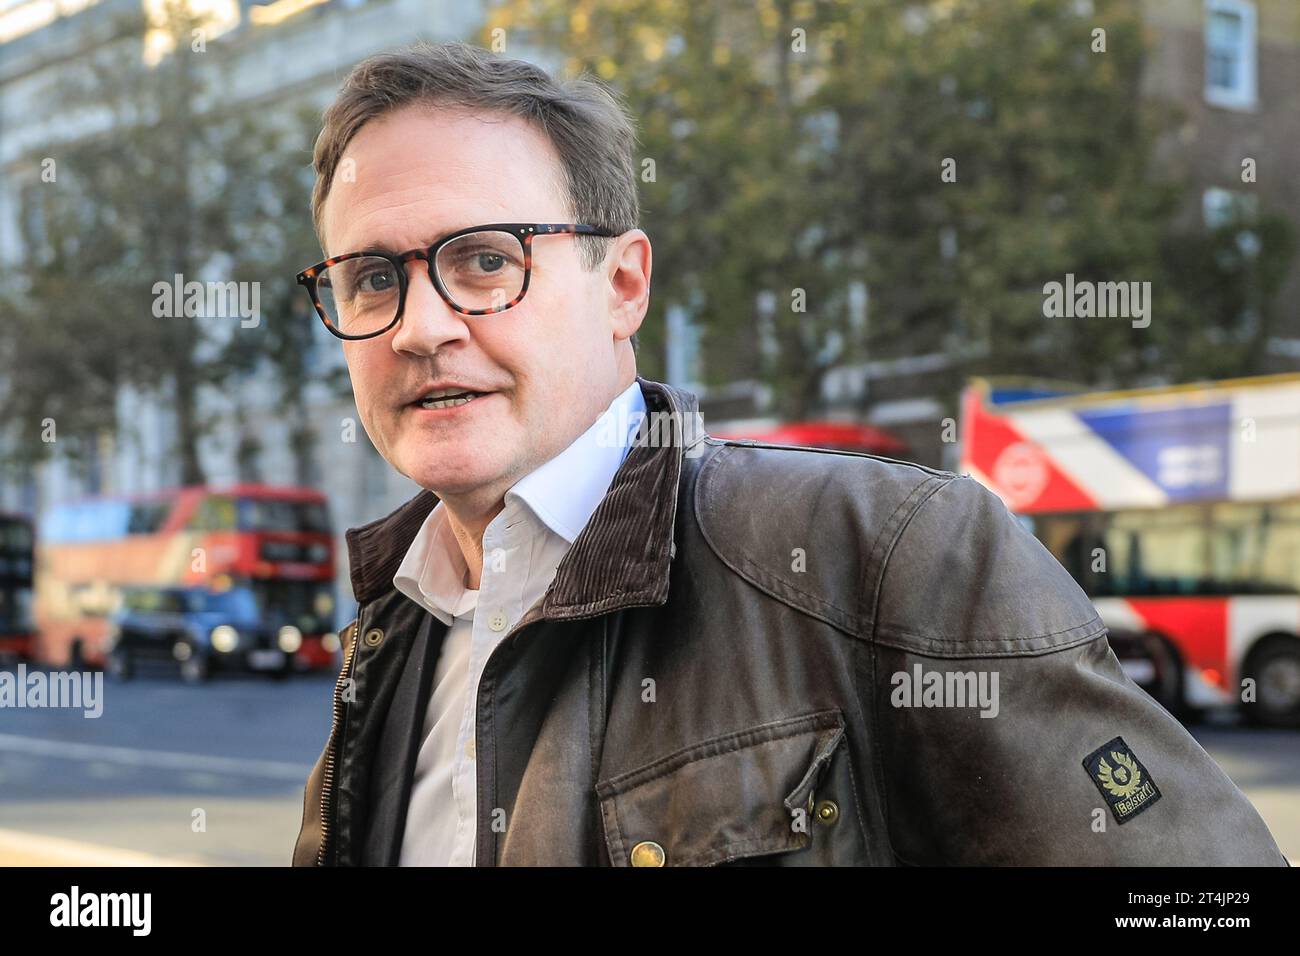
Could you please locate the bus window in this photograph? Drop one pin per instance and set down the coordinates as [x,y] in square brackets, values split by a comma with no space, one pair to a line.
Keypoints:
[1155,553]
[15,610]
[215,513]
[1075,541]
[276,514]
[17,537]
[1277,567]
[1236,533]
[147,517]
[22,609]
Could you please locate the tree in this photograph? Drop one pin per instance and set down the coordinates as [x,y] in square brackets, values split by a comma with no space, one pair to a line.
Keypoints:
[163,178]
[954,155]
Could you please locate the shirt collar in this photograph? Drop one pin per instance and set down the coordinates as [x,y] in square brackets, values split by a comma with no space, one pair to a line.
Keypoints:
[565,491]
[562,494]
[435,570]
[622,557]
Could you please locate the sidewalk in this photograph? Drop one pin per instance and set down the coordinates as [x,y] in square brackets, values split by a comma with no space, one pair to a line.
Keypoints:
[31,849]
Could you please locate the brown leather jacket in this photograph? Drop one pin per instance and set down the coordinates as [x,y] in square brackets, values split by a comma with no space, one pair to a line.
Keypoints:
[776,655]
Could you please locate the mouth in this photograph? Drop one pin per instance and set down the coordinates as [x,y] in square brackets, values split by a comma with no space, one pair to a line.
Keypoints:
[441,398]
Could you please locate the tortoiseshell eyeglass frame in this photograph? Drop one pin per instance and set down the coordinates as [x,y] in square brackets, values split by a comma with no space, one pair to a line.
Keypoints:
[523,231]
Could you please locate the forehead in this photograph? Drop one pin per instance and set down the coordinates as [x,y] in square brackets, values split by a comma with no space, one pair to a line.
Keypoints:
[422,171]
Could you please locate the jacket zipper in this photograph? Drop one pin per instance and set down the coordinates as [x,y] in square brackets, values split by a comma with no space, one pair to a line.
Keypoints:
[327,777]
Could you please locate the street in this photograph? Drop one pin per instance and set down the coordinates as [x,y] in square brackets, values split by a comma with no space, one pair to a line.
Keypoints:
[214,774]
[210,774]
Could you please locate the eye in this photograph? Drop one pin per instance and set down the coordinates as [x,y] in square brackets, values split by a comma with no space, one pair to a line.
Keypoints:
[483,259]
[377,279]
[490,261]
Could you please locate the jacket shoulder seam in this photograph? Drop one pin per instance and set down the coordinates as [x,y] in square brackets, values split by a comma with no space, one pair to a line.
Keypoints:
[792,596]
[943,645]
[984,647]
[886,548]
[843,452]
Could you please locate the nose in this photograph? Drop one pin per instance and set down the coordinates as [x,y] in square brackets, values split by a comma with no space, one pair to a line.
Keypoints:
[428,323]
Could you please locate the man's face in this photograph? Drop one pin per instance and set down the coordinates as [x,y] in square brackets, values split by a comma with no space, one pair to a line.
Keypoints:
[544,368]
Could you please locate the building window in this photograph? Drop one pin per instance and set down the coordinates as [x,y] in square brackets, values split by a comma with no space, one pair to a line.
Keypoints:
[1230,76]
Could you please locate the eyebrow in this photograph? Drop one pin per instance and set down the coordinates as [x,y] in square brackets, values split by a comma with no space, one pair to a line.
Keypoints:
[392,250]
[389,248]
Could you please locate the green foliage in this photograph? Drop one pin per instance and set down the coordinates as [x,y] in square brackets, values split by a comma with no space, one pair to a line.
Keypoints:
[162,177]
[800,145]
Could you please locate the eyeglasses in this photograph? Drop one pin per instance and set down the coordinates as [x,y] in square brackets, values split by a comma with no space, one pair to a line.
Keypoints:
[477,271]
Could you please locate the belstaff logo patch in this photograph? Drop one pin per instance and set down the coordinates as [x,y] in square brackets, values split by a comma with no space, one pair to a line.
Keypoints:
[1126,785]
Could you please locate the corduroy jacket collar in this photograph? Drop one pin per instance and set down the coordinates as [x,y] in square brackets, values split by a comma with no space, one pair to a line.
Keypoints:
[622,556]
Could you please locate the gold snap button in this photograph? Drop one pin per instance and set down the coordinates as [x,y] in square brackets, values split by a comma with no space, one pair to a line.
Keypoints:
[374,636]
[827,812]
[648,853]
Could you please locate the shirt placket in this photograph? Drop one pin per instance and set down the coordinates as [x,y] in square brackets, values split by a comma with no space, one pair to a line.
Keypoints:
[499,606]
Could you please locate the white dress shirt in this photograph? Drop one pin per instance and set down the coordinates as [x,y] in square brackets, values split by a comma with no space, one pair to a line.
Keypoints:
[522,546]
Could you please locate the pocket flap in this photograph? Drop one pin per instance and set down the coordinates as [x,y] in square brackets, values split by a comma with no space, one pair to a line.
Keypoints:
[729,797]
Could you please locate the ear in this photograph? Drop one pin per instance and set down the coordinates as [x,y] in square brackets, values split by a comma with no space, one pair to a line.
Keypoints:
[627,273]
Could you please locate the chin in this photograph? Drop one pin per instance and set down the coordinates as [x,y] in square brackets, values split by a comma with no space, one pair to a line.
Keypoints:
[446,472]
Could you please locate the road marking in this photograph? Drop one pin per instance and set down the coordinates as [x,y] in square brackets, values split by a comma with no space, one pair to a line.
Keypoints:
[160,759]
[31,849]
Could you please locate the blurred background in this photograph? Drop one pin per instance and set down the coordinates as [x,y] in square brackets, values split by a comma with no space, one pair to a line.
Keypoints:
[1049,243]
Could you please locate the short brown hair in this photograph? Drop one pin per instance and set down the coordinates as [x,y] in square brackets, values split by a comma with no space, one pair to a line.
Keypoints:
[585,121]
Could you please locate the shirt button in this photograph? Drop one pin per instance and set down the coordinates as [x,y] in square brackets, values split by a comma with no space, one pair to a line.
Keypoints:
[469,748]
[498,621]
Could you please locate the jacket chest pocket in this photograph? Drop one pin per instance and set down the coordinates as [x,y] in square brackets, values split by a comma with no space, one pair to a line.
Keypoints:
[780,793]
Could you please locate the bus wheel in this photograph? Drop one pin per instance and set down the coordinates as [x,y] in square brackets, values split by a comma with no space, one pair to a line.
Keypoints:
[1275,668]
[1167,683]
[1187,713]
[120,666]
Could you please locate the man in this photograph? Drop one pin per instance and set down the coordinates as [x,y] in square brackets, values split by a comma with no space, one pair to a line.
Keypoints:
[602,637]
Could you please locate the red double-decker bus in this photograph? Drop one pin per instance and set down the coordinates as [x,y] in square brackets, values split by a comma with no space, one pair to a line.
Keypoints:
[274,541]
